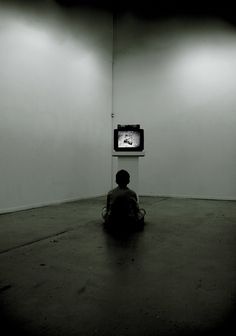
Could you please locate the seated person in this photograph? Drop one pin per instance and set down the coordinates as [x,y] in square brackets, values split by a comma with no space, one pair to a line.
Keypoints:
[122,210]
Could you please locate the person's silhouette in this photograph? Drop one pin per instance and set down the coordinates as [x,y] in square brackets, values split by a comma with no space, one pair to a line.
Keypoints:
[122,210]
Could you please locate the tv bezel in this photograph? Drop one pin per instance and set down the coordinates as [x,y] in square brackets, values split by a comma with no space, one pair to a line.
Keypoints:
[129,149]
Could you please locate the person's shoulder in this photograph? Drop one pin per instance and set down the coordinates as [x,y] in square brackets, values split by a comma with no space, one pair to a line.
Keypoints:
[112,191]
[132,192]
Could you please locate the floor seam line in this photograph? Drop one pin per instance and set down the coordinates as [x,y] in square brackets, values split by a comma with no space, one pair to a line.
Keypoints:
[35,241]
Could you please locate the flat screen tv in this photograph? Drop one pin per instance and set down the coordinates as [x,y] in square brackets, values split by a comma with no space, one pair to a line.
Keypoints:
[129,138]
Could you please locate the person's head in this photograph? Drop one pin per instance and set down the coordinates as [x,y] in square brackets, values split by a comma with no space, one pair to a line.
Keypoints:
[122,178]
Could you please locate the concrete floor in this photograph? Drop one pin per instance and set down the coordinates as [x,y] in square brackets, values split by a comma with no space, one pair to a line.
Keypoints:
[62,274]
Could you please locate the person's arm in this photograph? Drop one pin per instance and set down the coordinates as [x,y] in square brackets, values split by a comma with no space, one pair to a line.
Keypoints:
[134,196]
[136,202]
[108,202]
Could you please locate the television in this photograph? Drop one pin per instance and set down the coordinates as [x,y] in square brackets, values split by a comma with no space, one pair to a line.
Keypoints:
[129,138]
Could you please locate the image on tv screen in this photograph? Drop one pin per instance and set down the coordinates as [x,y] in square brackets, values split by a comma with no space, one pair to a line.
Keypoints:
[128,139]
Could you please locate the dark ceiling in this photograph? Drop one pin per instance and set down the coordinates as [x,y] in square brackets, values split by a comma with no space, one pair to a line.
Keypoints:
[161,8]
[156,5]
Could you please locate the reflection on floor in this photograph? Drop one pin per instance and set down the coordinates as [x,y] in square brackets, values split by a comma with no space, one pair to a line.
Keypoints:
[62,274]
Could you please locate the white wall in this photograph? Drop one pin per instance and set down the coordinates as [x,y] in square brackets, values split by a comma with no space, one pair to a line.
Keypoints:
[55,103]
[177,78]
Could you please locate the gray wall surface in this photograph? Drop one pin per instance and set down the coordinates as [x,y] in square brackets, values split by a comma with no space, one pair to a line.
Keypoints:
[177,78]
[55,103]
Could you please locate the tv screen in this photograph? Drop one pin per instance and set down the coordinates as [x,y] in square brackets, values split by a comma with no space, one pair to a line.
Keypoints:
[128,139]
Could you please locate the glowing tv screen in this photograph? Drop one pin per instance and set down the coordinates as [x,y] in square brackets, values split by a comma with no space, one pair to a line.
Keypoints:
[128,138]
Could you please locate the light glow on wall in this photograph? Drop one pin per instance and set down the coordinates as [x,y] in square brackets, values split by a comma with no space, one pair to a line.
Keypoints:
[205,70]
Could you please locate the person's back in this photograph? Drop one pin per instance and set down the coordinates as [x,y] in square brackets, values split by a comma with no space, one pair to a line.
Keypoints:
[122,203]
[122,206]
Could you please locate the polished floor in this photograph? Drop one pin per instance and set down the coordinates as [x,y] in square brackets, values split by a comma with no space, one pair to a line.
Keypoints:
[61,274]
